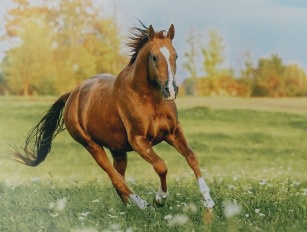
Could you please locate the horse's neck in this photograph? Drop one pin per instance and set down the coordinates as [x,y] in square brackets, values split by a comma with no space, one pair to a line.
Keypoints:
[140,71]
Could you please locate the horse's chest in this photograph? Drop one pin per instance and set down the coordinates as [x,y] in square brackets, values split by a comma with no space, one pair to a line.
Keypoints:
[160,126]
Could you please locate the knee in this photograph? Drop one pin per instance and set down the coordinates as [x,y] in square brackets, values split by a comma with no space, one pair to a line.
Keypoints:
[160,167]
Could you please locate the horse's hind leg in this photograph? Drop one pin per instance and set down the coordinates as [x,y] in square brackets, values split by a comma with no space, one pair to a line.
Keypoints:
[120,164]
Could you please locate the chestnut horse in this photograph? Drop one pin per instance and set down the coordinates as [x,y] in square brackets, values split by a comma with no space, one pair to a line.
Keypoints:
[133,111]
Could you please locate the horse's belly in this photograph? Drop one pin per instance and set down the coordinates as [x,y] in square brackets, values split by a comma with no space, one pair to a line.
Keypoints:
[112,139]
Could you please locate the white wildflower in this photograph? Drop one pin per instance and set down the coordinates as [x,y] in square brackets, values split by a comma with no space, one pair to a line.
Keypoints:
[168,217]
[257,210]
[295,183]
[263,182]
[230,186]
[178,220]
[59,205]
[36,179]
[84,214]
[232,208]
[96,200]
[261,214]
[54,214]
[248,191]
[190,208]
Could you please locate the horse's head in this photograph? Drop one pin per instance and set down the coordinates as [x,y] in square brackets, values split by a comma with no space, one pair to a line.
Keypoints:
[162,61]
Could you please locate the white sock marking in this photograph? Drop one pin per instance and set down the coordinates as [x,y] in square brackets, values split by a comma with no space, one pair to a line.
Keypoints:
[138,201]
[161,196]
[204,189]
[165,52]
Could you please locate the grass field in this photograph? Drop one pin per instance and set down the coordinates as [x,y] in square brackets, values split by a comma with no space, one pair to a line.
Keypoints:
[253,154]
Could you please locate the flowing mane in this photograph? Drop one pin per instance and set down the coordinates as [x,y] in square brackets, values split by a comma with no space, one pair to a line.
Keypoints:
[138,38]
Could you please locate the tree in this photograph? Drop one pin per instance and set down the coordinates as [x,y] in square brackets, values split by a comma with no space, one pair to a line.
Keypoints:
[192,54]
[247,73]
[59,45]
[295,81]
[26,66]
[213,53]
[269,77]
[190,63]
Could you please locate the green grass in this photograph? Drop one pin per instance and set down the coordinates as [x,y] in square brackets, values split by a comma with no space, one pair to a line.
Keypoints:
[253,159]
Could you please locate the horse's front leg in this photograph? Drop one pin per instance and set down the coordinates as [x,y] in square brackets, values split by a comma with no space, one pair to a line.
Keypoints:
[142,146]
[178,141]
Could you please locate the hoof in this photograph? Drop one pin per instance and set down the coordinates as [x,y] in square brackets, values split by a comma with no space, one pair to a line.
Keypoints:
[208,214]
[157,204]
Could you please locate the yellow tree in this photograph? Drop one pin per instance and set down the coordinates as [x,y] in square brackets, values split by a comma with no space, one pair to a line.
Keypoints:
[59,45]
[26,65]
[87,43]
[213,53]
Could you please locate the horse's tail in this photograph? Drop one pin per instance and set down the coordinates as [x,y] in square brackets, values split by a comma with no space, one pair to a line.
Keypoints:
[38,142]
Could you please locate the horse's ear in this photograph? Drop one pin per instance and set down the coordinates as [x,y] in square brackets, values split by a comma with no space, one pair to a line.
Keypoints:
[171,32]
[151,33]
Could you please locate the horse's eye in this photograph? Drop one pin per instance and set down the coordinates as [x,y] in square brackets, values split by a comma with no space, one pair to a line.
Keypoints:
[154,58]
[176,56]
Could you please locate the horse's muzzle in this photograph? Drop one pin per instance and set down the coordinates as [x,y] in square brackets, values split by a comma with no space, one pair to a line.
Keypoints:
[170,91]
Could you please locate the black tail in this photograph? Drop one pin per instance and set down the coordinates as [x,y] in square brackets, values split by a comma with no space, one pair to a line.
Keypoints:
[40,137]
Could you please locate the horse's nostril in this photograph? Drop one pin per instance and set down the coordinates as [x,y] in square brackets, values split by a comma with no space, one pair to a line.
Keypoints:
[176,89]
[166,92]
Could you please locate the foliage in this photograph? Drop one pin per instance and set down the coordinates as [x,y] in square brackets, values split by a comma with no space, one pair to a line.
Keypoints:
[213,53]
[274,79]
[191,55]
[269,78]
[58,45]
[222,85]
[254,163]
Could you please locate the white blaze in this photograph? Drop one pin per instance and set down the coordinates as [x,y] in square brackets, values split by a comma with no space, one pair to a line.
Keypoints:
[165,52]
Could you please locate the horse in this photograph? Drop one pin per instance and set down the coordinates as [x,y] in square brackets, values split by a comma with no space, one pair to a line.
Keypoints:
[130,112]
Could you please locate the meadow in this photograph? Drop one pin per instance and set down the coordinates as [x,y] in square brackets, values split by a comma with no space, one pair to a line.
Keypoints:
[252,152]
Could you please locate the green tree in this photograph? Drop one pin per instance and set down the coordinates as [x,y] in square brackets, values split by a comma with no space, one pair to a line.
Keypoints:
[213,53]
[295,83]
[269,77]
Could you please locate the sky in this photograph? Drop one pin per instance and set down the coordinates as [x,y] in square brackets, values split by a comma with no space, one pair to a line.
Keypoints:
[262,27]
